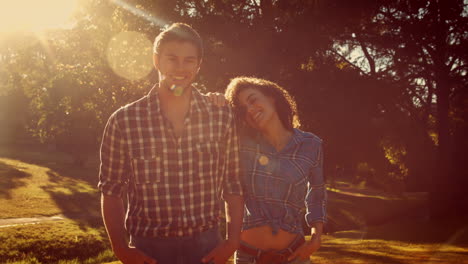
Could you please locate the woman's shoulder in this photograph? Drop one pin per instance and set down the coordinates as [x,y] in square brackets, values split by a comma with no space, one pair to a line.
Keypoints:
[307,137]
[309,144]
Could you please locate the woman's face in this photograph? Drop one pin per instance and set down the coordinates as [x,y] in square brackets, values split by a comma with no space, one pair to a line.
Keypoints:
[256,108]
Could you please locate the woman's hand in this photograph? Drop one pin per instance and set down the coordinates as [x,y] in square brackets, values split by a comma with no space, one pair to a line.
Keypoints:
[307,249]
[217,99]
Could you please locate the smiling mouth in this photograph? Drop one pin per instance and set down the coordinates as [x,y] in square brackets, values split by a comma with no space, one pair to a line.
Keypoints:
[179,78]
[257,116]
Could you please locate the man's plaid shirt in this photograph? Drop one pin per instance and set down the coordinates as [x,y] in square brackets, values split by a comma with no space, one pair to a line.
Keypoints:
[173,184]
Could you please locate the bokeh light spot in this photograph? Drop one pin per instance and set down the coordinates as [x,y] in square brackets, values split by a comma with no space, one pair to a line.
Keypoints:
[129,54]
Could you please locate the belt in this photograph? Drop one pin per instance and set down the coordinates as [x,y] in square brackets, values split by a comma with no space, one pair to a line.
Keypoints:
[272,256]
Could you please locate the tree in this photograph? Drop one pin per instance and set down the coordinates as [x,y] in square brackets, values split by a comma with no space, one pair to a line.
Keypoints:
[417,45]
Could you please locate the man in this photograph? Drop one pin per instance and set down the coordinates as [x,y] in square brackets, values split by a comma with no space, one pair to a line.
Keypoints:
[172,154]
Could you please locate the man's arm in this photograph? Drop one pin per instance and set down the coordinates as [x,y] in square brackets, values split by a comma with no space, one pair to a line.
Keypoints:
[234,215]
[232,195]
[113,214]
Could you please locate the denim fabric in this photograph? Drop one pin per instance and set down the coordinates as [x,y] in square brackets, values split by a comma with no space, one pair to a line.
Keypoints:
[179,250]
[243,258]
[278,185]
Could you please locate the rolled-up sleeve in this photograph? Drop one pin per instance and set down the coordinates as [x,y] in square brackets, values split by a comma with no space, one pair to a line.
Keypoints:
[232,182]
[114,167]
[316,198]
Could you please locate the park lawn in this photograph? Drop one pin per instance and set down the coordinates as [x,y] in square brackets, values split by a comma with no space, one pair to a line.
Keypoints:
[66,242]
[355,207]
[409,241]
[367,225]
[45,183]
[363,251]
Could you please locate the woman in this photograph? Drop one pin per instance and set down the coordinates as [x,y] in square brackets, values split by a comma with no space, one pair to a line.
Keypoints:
[282,170]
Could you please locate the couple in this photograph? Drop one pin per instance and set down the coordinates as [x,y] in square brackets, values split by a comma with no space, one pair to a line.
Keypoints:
[174,154]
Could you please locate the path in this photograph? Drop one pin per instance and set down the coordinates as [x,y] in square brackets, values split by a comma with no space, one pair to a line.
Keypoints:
[9,222]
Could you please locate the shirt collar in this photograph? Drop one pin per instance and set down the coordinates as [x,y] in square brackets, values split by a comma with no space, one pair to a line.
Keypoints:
[197,101]
[296,139]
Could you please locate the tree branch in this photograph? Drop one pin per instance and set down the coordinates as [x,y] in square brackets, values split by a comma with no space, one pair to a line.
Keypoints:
[369,58]
[350,63]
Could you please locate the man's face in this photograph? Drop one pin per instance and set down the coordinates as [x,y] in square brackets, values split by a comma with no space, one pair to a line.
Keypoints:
[177,64]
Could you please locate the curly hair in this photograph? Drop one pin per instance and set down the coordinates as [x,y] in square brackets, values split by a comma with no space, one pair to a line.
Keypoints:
[284,104]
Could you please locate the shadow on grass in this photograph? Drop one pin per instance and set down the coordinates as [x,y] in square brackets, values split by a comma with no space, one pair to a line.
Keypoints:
[393,220]
[350,250]
[348,212]
[71,187]
[450,231]
[76,199]
[56,161]
[11,178]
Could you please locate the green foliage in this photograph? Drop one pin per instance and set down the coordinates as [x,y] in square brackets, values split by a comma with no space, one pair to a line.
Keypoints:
[370,77]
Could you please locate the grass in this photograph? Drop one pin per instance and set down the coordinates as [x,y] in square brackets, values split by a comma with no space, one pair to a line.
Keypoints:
[36,182]
[41,183]
[52,242]
[353,207]
[400,241]
[365,226]
[343,250]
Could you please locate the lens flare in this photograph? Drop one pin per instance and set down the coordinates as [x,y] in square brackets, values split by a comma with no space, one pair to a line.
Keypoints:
[129,54]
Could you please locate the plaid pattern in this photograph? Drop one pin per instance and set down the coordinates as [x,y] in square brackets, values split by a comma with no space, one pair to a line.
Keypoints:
[279,184]
[173,184]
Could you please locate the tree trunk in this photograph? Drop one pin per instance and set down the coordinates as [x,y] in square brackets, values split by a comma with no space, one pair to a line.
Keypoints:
[442,203]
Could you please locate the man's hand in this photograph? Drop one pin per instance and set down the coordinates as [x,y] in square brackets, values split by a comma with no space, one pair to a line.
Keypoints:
[221,253]
[217,98]
[307,249]
[130,255]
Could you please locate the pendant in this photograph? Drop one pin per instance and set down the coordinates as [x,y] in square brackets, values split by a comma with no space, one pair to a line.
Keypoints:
[177,90]
[263,160]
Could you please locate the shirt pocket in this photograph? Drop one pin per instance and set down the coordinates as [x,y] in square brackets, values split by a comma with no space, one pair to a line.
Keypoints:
[206,160]
[148,169]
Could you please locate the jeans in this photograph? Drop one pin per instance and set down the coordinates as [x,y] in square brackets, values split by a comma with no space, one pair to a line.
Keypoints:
[244,258]
[179,250]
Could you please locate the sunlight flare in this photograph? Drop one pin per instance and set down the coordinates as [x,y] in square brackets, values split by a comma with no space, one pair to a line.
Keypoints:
[129,54]
[138,11]
[35,16]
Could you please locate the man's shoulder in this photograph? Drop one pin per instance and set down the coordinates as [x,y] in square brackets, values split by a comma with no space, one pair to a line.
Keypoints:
[132,108]
[211,107]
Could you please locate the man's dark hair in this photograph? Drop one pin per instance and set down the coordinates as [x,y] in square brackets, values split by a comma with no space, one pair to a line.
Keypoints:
[179,32]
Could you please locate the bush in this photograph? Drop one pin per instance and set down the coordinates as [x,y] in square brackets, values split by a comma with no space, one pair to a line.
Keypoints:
[51,242]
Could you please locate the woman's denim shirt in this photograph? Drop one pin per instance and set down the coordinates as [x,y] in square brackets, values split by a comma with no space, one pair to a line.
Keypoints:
[278,184]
